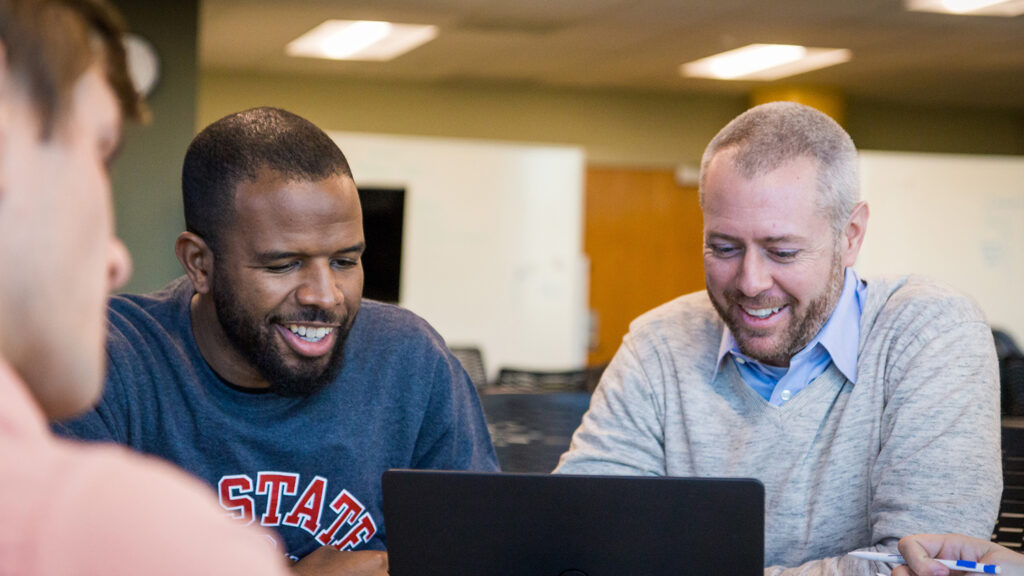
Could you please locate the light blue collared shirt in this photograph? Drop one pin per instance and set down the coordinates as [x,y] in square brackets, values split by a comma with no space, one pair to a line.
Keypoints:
[836,342]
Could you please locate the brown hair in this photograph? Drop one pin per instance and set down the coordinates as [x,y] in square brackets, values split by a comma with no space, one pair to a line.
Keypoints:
[51,43]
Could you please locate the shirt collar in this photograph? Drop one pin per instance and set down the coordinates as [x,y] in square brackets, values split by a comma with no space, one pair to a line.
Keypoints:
[840,336]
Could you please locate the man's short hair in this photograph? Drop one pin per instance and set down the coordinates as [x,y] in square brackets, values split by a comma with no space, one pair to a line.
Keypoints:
[770,135]
[51,43]
[235,148]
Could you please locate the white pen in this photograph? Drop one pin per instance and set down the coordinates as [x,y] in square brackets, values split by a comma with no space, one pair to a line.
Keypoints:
[961,565]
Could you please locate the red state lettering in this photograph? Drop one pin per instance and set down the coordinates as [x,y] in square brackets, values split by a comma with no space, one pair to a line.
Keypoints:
[232,490]
[309,506]
[348,508]
[275,484]
[361,532]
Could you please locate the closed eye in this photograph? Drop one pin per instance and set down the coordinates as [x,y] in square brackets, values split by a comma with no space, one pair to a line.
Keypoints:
[281,268]
[344,263]
[784,254]
[722,250]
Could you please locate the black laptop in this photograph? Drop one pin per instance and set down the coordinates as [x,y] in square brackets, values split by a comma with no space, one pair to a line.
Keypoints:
[478,524]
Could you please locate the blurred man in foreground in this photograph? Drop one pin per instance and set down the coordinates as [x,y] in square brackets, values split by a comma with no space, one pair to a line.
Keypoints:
[68,508]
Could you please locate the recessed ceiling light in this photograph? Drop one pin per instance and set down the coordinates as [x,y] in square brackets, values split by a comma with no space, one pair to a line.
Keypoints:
[1006,8]
[360,40]
[764,62]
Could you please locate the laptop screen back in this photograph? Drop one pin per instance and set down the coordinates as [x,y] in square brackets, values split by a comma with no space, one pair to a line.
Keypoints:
[463,523]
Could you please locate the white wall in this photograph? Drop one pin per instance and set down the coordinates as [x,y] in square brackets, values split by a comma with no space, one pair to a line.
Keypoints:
[492,250]
[956,218]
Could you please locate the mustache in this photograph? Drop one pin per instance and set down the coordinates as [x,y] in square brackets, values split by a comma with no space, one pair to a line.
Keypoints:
[309,315]
[756,302]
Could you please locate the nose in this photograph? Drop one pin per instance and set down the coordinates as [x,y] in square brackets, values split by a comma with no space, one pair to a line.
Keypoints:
[119,265]
[754,274]
[318,287]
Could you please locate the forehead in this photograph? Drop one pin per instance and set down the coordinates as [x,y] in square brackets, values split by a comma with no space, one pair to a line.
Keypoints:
[781,202]
[275,210]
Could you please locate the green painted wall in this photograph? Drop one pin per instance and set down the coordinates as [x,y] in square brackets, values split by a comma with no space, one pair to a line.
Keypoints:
[885,126]
[147,176]
[614,127]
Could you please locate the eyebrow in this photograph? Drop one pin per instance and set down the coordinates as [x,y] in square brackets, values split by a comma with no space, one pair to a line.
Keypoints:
[272,255]
[764,240]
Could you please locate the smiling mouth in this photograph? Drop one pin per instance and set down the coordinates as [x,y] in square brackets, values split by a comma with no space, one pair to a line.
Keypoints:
[762,313]
[310,333]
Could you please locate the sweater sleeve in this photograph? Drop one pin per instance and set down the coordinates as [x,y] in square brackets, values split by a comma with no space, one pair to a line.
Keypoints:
[938,466]
[622,432]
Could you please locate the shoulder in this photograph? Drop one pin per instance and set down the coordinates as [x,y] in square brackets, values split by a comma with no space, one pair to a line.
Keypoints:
[688,320]
[915,319]
[915,303]
[387,329]
[149,334]
[390,320]
[149,507]
[167,308]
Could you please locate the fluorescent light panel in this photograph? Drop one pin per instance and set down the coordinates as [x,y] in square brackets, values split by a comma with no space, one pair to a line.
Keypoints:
[1005,8]
[764,62]
[360,40]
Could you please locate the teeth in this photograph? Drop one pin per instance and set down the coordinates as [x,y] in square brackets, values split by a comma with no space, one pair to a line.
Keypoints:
[309,333]
[762,312]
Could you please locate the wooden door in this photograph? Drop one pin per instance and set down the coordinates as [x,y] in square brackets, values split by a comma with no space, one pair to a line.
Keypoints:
[642,233]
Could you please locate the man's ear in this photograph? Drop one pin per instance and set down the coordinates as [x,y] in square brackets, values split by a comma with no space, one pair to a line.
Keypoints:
[853,234]
[197,260]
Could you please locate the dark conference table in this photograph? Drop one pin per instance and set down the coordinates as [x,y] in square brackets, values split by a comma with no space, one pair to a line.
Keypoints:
[531,430]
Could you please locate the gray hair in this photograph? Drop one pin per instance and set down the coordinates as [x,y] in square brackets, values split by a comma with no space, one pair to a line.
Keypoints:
[768,136]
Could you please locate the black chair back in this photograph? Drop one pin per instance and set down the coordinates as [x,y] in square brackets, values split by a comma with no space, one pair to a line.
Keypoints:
[1009,530]
[1011,373]
[472,359]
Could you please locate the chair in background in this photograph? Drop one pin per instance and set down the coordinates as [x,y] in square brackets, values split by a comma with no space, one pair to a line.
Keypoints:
[472,359]
[1011,373]
[531,430]
[582,380]
[513,379]
[1009,530]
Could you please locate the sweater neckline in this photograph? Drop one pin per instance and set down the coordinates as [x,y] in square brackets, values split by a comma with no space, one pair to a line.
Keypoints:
[829,383]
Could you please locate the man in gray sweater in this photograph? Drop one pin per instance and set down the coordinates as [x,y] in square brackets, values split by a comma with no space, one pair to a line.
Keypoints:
[869,409]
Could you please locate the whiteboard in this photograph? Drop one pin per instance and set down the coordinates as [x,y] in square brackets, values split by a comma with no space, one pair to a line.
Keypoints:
[956,218]
[492,249]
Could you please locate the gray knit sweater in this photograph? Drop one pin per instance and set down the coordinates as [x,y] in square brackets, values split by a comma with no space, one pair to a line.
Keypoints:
[912,447]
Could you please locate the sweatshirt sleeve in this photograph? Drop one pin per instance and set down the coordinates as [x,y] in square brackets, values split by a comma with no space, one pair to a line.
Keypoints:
[454,432]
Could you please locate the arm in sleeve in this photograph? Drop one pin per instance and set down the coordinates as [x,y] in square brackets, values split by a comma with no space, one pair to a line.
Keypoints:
[623,431]
[938,467]
[454,433]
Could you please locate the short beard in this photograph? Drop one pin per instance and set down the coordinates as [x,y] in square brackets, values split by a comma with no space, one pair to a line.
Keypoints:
[800,332]
[254,341]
